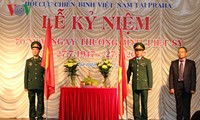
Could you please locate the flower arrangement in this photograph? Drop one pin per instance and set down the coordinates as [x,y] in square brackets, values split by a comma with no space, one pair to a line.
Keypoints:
[71,67]
[104,67]
[89,81]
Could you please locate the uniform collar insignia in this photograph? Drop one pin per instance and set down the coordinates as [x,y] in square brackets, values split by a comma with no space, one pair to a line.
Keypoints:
[39,58]
[141,58]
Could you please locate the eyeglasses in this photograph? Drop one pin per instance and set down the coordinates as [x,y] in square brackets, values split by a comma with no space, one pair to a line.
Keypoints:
[139,50]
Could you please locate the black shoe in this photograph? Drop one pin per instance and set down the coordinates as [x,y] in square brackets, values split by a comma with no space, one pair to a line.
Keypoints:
[40,118]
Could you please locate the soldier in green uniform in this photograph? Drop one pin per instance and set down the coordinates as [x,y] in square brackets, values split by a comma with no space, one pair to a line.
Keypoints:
[34,82]
[141,70]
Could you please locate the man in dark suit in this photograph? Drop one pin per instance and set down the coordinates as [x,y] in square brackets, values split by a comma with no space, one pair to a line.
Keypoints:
[34,82]
[182,83]
[142,80]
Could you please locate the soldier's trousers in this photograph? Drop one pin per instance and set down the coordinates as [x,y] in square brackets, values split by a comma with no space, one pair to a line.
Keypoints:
[40,104]
[137,96]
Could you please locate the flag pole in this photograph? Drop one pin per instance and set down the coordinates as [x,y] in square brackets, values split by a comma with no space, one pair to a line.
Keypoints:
[126,109]
[46,109]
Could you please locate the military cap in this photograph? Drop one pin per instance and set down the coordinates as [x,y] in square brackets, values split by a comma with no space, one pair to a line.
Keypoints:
[139,46]
[36,44]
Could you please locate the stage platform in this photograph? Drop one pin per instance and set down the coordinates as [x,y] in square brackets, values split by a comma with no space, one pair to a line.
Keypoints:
[25,119]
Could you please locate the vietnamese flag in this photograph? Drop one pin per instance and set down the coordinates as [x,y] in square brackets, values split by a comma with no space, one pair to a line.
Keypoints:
[48,64]
[122,77]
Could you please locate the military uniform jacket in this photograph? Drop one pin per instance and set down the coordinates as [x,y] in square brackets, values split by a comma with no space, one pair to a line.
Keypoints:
[34,74]
[141,71]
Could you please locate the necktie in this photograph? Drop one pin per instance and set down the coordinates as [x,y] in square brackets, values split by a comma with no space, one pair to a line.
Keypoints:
[181,70]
